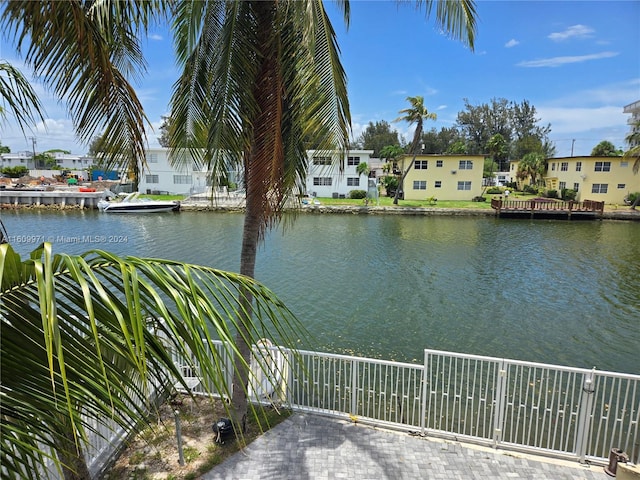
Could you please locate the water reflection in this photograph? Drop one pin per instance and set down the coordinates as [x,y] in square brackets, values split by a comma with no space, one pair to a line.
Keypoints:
[390,286]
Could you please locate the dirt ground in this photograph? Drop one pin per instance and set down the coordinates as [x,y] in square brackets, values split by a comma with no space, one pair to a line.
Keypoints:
[153,453]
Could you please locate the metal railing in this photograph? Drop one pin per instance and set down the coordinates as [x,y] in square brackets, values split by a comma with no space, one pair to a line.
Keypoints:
[542,409]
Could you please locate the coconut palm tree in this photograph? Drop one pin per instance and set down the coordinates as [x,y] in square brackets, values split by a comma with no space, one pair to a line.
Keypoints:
[89,62]
[81,341]
[417,114]
[261,81]
[634,153]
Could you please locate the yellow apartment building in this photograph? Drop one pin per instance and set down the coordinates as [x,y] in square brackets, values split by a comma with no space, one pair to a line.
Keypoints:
[445,177]
[603,179]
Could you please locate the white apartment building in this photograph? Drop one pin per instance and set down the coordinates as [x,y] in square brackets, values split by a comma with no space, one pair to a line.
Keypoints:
[634,121]
[324,178]
[63,161]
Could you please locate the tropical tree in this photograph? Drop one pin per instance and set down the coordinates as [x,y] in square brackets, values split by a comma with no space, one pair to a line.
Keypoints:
[634,153]
[498,148]
[363,169]
[89,64]
[533,166]
[605,149]
[417,114]
[82,341]
[377,135]
[259,80]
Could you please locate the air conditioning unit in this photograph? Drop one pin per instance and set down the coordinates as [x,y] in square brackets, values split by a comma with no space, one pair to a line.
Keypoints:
[453,172]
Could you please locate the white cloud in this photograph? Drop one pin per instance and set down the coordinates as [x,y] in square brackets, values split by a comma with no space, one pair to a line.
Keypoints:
[512,43]
[575,31]
[441,107]
[558,61]
[155,36]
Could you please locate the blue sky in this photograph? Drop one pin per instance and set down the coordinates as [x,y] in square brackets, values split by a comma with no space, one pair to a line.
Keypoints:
[577,63]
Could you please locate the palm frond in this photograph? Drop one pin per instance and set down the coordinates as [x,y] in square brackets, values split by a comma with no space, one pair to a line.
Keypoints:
[81,339]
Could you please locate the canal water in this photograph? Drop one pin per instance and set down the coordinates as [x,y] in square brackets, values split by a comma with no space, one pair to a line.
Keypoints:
[389,286]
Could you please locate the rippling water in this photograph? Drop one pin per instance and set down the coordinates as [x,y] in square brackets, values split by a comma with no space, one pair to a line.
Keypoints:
[390,286]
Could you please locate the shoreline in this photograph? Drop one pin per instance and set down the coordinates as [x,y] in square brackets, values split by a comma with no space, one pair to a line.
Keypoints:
[617,214]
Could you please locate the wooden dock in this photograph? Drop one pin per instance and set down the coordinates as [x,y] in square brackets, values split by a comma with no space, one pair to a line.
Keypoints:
[547,208]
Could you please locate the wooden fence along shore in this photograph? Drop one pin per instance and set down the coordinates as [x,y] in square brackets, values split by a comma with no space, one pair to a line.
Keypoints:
[546,208]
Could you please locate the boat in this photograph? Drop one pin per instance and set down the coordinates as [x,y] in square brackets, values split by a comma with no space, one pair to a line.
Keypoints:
[133,204]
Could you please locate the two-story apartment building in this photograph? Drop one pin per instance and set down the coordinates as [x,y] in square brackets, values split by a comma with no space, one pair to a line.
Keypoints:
[64,161]
[445,177]
[604,179]
[324,178]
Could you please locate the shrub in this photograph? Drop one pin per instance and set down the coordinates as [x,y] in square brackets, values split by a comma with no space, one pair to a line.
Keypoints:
[629,199]
[494,191]
[478,199]
[15,172]
[357,194]
[530,189]
[552,194]
[568,194]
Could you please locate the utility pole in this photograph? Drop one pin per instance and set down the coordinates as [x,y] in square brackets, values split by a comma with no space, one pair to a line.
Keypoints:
[33,146]
[572,143]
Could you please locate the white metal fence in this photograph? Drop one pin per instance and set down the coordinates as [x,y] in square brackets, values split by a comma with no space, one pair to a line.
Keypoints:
[542,409]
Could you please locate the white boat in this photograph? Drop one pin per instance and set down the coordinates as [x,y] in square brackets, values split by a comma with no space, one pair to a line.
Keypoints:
[133,204]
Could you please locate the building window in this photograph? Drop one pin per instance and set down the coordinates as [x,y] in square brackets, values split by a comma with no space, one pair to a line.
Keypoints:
[513,167]
[578,166]
[353,182]
[464,185]
[153,158]
[60,160]
[419,184]
[553,166]
[322,160]
[624,164]
[563,185]
[622,186]
[353,161]
[438,184]
[564,167]
[465,165]
[421,164]
[599,188]
[576,186]
[322,181]
[438,163]
[603,167]
[182,179]
[151,179]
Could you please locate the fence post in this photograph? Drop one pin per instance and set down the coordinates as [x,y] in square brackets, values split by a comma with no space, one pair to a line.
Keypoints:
[500,401]
[354,387]
[584,415]
[423,407]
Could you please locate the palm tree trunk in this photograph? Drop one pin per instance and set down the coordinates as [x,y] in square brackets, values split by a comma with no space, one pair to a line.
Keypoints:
[401,182]
[71,456]
[250,238]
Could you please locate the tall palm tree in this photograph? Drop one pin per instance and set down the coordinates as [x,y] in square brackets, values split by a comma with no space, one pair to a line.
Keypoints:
[417,114]
[259,77]
[87,54]
[80,341]
[261,81]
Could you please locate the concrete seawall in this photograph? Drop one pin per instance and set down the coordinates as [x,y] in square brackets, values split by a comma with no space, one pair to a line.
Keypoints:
[89,200]
[53,199]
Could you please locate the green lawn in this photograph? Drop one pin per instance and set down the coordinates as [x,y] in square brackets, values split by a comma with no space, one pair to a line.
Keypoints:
[388,202]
